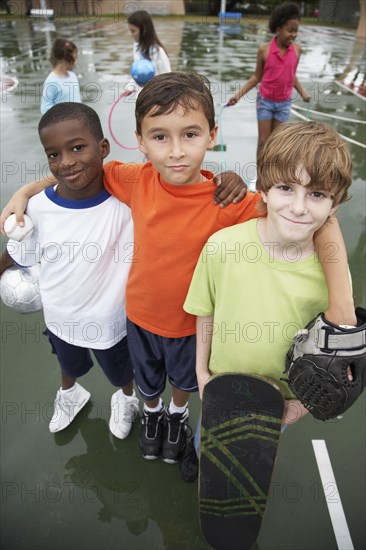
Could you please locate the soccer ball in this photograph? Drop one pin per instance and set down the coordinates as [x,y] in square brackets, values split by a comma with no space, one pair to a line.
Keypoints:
[142,70]
[19,288]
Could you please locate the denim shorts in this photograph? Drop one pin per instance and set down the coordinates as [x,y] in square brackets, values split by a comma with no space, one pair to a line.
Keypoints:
[76,361]
[267,110]
[155,358]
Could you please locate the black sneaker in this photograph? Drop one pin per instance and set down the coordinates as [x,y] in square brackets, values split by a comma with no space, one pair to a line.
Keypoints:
[151,433]
[175,436]
[188,466]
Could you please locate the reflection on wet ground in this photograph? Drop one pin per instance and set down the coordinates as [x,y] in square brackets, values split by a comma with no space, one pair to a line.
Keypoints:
[82,488]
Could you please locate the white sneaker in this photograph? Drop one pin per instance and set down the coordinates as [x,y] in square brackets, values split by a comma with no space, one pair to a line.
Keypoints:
[124,410]
[67,405]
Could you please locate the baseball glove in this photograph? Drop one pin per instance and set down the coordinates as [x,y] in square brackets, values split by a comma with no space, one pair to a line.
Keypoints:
[317,366]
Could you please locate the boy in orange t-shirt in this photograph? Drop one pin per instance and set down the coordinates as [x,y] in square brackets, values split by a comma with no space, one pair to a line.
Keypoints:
[173,212]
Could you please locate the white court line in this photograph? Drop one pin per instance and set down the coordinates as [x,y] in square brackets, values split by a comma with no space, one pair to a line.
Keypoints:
[334,503]
[350,140]
[329,115]
[341,85]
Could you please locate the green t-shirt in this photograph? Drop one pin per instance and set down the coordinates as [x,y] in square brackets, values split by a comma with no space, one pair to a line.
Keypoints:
[258,302]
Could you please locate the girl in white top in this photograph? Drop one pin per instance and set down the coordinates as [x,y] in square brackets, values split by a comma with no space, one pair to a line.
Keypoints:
[147,44]
[62,84]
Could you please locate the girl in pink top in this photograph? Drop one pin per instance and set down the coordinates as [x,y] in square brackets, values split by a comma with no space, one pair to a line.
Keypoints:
[277,62]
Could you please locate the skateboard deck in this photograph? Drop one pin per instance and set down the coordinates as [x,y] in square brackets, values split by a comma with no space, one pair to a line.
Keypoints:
[240,428]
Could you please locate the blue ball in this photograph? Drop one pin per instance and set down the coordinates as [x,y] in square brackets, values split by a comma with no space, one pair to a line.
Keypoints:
[142,71]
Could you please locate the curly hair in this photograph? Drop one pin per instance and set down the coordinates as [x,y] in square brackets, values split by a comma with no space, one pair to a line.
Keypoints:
[283,13]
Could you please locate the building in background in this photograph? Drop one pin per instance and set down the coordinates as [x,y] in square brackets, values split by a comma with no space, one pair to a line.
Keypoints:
[340,11]
[98,7]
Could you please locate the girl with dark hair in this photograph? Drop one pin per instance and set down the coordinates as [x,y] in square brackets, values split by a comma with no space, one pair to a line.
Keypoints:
[277,62]
[147,44]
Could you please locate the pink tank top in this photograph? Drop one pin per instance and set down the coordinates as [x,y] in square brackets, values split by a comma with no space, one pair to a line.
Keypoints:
[279,73]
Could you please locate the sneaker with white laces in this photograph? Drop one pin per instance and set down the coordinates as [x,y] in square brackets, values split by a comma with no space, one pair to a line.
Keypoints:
[151,433]
[175,436]
[124,410]
[68,404]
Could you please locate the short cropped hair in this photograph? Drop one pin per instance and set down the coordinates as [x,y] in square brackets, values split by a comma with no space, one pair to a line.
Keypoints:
[283,13]
[73,111]
[315,146]
[165,92]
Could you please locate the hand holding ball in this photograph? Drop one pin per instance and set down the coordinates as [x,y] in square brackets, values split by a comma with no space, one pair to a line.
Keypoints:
[15,231]
[19,288]
[142,70]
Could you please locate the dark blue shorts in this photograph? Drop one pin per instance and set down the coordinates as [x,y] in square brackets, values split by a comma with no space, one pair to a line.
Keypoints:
[154,358]
[76,361]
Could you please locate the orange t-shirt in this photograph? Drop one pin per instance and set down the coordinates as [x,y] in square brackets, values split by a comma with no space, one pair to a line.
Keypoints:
[172,223]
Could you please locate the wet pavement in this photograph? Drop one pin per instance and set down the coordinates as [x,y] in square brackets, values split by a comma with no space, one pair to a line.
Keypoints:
[82,488]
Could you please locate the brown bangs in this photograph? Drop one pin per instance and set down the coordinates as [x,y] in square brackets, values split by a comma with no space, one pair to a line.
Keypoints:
[314,145]
[163,93]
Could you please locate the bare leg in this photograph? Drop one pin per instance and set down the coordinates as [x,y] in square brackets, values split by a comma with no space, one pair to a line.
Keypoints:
[128,388]
[264,131]
[275,124]
[67,381]
[180,397]
[152,404]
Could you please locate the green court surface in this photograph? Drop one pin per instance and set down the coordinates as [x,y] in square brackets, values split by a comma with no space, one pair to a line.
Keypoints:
[82,488]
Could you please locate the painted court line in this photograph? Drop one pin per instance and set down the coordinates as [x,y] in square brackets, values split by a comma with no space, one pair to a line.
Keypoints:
[294,112]
[335,508]
[329,115]
[341,85]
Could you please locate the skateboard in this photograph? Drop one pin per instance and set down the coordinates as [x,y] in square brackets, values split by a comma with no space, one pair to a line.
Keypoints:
[240,428]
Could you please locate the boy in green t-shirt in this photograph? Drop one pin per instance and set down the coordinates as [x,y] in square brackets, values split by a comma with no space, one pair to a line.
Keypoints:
[258,282]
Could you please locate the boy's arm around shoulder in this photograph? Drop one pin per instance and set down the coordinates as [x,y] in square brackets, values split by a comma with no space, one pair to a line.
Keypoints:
[230,187]
[332,253]
[120,178]
[245,210]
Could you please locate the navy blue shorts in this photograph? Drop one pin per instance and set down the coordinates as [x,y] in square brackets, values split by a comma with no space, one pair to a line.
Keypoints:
[154,358]
[76,361]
